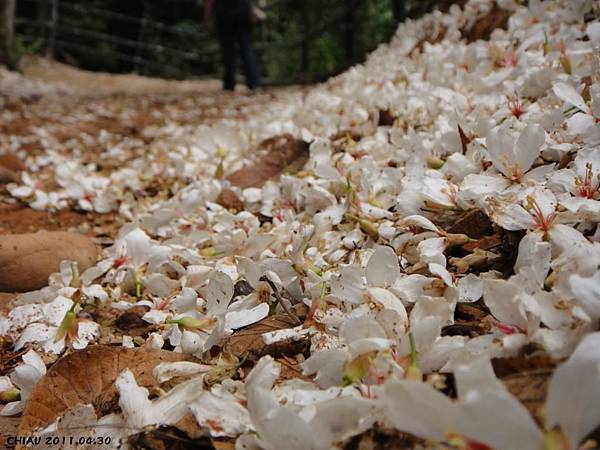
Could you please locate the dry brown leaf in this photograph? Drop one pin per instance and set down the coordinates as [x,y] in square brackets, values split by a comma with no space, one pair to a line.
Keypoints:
[464,140]
[483,27]
[530,388]
[223,444]
[9,426]
[6,300]
[527,379]
[27,260]
[248,343]
[87,377]
[9,358]
[229,200]
[169,438]
[276,154]
[474,223]
[290,370]
[7,176]
[12,162]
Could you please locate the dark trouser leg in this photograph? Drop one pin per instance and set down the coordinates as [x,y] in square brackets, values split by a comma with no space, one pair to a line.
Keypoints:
[227,43]
[249,58]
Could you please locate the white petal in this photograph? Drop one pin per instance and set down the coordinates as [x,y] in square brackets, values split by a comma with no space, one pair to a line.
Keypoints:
[528,146]
[442,272]
[517,429]
[13,408]
[419,409]
[470,288]
[165,371]
[133,400]
[242,318]
[383,267]
[167,410]
[500,143]
[567,93]
[563,237]
[362,346]
[5,384]
[25,377]
[432,251]
[160,285]
[587,292]
[476,187]
[155,316]
[219,293]
[328,365]
[362,327]
[137,245]
[502,298]
[222,414]
[534,256]
[574,392]
[389,301]
[419,221]
[513,217]
[36,332]
[340,418]
[409,288]
[186,300]
[33,359]
[349,285]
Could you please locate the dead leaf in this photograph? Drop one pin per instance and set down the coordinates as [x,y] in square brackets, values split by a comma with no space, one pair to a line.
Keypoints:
[248,343]
[483,27]
[527,379]
[290,370]
[12,162]
[169,438]
[229,200]
[27,260]
[132,323]
[9,359]
[87,377]
[223,444]
[274,155]
[530,388]
[386,118]
[464,140]
[6,300]
[9,426]
[7,176]
[474,223]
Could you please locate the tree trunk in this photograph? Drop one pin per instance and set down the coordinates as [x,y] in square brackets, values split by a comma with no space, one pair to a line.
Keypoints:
[349,30]
[51,44]
[7,32]
[399,10]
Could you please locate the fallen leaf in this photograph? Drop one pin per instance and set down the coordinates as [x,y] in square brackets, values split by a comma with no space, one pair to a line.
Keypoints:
[474,223]
[27,260]
[87,377]
[248,342]
[275,155]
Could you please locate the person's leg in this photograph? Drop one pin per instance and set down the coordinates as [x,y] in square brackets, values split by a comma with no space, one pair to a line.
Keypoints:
[227,43]
[249,58]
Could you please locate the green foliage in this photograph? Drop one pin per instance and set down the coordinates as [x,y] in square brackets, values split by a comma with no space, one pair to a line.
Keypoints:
[17,48]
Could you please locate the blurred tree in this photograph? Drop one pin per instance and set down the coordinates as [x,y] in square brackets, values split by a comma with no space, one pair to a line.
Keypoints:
[7,33]
[301,40]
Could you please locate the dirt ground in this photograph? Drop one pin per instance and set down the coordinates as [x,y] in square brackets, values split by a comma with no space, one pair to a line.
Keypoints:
[78,106]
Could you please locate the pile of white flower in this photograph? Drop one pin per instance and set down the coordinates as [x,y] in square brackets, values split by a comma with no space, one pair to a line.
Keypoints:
[510,126]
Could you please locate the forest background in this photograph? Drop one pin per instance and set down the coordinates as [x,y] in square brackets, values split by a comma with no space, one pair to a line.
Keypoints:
[300,41]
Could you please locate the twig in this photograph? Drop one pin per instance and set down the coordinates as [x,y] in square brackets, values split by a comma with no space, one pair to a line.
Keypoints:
[280,299]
